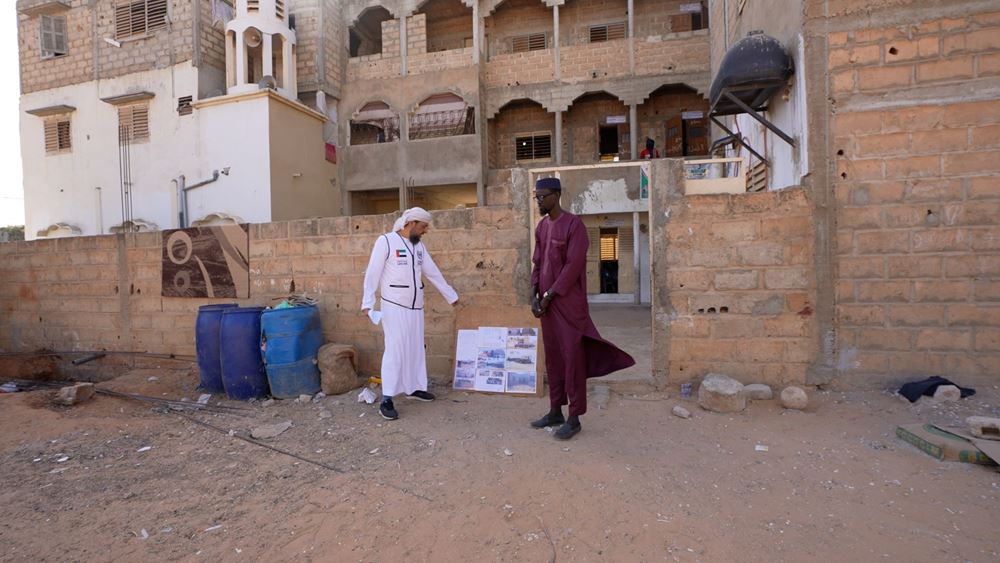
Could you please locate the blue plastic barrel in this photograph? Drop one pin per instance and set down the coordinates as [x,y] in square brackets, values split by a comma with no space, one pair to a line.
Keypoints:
[290,339]
[206,343]
[242,366]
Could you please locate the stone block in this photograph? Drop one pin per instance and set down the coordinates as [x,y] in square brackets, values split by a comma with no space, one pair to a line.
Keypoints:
[947,393]
[758,392]
[720,393]
[794,398]
[984,427]
[75,394]
[337,369]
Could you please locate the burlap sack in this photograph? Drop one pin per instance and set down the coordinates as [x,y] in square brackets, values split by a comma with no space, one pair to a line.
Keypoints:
[337,369]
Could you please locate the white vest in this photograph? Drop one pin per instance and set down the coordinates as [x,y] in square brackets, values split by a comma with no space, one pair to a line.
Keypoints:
[401,282]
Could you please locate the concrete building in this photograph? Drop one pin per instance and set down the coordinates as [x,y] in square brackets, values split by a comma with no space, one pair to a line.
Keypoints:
[433,98]
[153,114]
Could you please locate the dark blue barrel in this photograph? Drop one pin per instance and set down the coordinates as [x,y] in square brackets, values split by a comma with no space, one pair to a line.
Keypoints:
[206,343]
[242,366]
[290,339]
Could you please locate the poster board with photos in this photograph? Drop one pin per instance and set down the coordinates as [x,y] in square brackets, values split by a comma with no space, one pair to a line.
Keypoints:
[498,360]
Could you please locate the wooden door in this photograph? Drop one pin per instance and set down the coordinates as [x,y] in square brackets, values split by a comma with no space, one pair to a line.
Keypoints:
[696,136]
[675,137]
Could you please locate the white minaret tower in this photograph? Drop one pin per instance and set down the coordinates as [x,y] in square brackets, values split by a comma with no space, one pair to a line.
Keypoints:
[260,49]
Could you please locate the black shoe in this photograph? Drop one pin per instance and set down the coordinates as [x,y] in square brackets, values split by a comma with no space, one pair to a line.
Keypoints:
[421,396]
[387,410]
[548,420]
[567,431]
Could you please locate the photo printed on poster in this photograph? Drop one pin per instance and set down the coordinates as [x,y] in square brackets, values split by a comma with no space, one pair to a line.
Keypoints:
[497,360]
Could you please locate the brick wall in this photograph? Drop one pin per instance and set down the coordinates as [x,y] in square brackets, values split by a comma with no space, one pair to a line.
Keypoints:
[437,61]
[213,39]
[658,108]
[76,66]
[372,67]
[450,31]
[575,18]
[162,48]
[653,18]
[513,18]
[416,35]
[532,67]
[390,38]
[676,52]
[581,129]
[918,219]
[739,286]
[89,293]
[307,28]
[333,46]
[512,120]
[594,61]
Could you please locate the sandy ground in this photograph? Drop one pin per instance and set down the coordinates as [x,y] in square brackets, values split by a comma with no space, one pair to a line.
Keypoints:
[465,479]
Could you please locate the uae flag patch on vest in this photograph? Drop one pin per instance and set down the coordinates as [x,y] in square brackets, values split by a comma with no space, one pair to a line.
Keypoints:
[401,253]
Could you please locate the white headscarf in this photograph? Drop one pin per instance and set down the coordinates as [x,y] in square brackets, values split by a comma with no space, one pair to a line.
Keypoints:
[412,214]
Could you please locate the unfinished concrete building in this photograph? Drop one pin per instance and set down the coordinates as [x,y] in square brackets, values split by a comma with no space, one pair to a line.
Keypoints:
[852,232]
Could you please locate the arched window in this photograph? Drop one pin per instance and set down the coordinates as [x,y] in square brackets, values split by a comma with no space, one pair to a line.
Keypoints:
[442,115]
[374,123]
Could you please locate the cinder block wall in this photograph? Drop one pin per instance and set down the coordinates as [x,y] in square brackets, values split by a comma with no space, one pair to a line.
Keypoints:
[733,284]
[90,293]
[918,201]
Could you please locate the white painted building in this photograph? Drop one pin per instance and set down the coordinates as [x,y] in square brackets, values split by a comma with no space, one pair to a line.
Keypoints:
[158,149]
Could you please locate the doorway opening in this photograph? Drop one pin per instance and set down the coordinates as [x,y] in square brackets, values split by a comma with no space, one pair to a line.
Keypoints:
[608,141]
[609,260]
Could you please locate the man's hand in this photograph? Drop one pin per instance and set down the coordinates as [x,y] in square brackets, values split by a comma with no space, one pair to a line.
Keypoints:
[545,302]
[365,311]
[536,307]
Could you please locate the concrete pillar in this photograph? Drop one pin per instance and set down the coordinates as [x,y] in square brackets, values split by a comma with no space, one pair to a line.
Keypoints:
[241,60]
[267,65]
[555,40]
[631,37]
[476,33]
[559,143]
[635,256]
[288,68]
[633,130]
[402,45]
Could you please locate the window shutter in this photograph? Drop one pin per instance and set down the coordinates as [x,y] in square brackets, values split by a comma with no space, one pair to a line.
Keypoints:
[52,32]
[530,42]
[253,5]
[139,17]
[57,134]
[537,146]
[51,136]
[184,105]
[607,32]
[60,36]
[279,9]
[134,119]
[156,14]
[123,20]
[140,122]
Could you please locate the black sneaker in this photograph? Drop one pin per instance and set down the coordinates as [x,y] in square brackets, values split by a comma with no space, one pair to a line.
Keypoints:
[421,396]
[567,431]
[548,420]
[387,410]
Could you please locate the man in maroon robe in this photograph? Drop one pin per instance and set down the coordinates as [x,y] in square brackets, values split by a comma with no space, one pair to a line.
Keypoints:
[574,350]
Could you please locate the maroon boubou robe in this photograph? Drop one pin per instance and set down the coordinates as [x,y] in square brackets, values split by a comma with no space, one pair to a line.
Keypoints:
[574,350]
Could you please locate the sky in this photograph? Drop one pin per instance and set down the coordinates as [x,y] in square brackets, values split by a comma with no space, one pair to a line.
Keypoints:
[11,186]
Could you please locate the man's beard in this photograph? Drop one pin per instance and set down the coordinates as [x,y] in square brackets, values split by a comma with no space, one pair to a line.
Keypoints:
[414,238]
[543,210]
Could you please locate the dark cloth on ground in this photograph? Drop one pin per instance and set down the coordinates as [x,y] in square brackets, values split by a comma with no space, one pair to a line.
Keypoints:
[926,387]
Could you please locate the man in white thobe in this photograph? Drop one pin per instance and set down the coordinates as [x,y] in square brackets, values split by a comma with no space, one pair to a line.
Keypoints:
[398,262]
